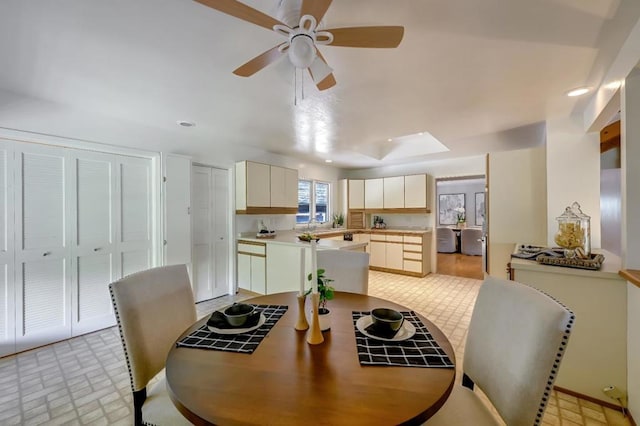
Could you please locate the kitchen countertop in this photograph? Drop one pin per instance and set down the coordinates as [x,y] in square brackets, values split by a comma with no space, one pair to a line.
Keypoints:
[610,267]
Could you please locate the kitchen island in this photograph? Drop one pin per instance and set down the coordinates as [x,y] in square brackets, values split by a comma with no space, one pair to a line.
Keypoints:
[272,265]
[596,356]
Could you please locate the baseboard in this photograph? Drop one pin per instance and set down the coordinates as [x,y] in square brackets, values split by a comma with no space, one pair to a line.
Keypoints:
[604,403]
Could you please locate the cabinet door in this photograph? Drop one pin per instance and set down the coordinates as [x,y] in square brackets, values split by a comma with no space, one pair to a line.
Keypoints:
[378,254]
[373,194]
[393,188]
[394,255]
[93,245]
[135,236]
[415,191]
[258,185]
[277,188]
[244,271]
[291,187]
[356,194]
[7,283]
[177,209]
[258,275]
[42,261]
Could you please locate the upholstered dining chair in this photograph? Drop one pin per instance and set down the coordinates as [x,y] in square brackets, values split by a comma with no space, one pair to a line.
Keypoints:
[471,241]
[153,308]
[446,240]
[516,339]
[348,269]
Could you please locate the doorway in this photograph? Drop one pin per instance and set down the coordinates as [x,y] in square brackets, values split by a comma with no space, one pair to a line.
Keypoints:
[460,226]
[210,187]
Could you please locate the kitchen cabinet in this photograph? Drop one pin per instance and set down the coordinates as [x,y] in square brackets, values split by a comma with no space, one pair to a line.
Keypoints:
[356,193]
[363,238]
[393,192]
[415,191]
[265,189]
[374,193]
[407,254]
[252,266]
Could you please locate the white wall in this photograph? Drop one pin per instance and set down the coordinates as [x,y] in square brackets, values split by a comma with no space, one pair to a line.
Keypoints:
[631,228]
[573,174]
[517,208]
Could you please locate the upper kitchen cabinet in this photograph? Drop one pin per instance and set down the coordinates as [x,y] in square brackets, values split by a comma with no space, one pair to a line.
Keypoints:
[415,191]
[374,194]
[356,193]
[265,189]
[394,192]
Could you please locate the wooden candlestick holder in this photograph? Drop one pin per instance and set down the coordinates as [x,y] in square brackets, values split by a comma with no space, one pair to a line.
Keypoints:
[314,335]
[302,323]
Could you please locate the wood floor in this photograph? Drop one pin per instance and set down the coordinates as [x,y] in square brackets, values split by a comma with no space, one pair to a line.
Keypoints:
[460,265]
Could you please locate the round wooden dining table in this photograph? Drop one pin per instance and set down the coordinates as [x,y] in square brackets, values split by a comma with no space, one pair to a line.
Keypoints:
[288,381]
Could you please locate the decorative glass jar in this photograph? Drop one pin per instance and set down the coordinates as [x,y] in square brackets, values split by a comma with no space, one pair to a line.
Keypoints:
[574,232]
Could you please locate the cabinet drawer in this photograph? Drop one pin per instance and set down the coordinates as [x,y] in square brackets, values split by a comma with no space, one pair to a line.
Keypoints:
[412,239]
[250,247]
[413,247]
[412,266]
[412,256]
[394,238]
[378,237]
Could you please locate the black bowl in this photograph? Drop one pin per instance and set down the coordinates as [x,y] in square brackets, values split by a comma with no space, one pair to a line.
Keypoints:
[238,313]
[386,320]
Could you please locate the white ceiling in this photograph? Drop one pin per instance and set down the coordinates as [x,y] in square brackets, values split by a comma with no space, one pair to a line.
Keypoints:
[477,75]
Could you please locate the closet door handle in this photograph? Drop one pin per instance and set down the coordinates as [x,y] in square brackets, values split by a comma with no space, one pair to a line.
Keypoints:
[96,249]
[46,253]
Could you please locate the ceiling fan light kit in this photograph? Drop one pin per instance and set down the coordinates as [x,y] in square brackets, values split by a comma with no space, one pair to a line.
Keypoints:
[302,41]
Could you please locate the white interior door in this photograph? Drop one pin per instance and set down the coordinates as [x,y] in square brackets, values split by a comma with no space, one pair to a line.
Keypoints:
[93,249]
[7,283]
[135,214]
[43,279]
[202,234]
[220,241]
[210,203]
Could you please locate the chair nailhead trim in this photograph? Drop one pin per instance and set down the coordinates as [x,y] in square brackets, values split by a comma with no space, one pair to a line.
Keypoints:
[124,346]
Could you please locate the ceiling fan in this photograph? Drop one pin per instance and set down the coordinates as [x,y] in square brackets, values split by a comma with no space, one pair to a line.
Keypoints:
[302,39]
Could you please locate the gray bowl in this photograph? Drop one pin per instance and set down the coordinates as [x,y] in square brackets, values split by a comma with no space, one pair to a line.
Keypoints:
[238,313]
[387,320]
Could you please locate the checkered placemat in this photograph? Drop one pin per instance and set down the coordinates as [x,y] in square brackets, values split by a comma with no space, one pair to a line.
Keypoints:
[246,343]
[419,351]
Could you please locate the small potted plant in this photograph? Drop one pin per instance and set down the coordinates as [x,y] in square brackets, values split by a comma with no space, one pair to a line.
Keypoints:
[460,212]
[338,220]
[326,293]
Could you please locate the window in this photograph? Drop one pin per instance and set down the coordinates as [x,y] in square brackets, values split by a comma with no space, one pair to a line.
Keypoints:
[313,201]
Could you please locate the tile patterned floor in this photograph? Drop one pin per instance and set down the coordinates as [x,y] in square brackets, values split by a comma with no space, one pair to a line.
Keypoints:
[85,381]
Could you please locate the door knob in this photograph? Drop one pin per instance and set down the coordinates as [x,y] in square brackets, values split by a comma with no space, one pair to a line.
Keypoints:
[46,253]
[96,249]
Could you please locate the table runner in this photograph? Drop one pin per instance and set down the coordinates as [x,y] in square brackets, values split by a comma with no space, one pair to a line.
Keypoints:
[419,351]
[203,338]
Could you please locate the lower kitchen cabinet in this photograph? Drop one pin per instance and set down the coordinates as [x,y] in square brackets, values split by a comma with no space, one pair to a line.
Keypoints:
[252,266]
[408,254]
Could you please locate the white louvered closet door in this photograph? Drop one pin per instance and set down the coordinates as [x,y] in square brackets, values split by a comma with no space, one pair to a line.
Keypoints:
[93,249]
[7,283]
[42,261]
[134,244]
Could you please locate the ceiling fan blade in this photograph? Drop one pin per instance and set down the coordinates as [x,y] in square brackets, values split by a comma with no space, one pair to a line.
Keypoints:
[259,62]
[326,82]
[319,70]
[315,8]
[380,37]
[242,11]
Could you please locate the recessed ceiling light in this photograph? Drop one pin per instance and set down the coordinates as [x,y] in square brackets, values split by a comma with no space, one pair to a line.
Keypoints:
[328,161]
[421,133]
[578,92]
[184,123]
[389,140]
